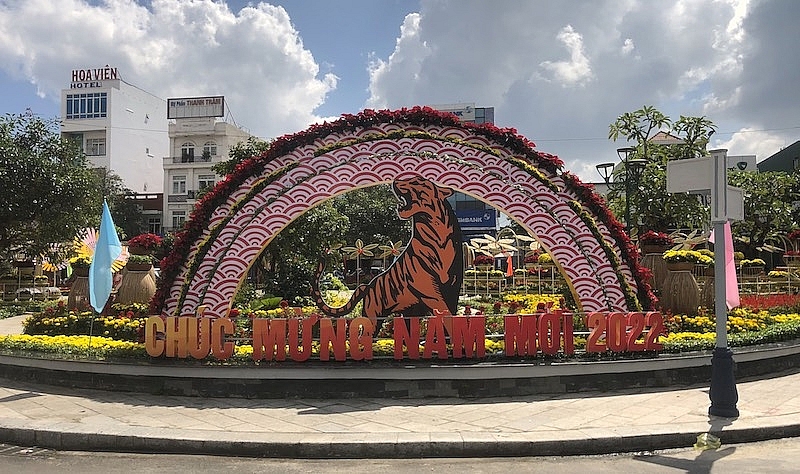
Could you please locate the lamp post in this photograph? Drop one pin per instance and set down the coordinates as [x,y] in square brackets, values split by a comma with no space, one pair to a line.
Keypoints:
[633,172]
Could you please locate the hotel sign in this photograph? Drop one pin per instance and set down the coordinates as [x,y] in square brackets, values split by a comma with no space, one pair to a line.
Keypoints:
[86,78]
[195,107]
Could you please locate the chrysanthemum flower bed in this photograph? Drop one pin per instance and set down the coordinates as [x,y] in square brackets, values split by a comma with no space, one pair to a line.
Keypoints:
[59,332]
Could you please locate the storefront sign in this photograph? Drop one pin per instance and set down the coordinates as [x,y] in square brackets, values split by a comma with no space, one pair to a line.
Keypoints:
[196,107]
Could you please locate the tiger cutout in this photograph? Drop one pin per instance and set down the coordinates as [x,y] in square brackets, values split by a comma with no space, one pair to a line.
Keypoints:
[427,276]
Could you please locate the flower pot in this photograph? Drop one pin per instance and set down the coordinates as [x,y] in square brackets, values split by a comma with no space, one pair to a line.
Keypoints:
[138,250]
[680,266]
[137,286]
[654,248]
[681,294]
[80,271]
[138,267]
[79,292]
[655,262]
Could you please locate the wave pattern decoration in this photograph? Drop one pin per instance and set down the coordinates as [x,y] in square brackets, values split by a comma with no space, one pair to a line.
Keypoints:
[466,162]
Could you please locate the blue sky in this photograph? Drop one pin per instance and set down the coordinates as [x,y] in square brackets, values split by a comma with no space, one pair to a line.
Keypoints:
[559,72]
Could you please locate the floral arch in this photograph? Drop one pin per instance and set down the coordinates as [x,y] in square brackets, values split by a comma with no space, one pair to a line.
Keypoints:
[232,224]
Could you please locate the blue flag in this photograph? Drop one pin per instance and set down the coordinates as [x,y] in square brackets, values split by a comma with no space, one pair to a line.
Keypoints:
[106,251]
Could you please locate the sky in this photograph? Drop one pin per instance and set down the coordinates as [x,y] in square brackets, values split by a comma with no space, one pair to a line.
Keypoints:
[558,71]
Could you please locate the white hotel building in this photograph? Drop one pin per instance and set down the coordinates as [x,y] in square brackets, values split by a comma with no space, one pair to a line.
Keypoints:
[162,149]
[120,127]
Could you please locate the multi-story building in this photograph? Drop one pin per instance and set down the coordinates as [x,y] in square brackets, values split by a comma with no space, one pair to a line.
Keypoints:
[787,159]
[199,137]
[121,128]
[475,217]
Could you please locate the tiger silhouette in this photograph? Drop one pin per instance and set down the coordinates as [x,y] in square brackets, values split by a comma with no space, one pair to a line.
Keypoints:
[427,276]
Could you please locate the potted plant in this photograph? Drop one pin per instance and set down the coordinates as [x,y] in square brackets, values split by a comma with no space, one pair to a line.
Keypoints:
[531,259]
[752,267]
[144,244]
[792,258]
[655,242]
[483,262]
[80,265]
[545,259]
[139,263]
[685,260]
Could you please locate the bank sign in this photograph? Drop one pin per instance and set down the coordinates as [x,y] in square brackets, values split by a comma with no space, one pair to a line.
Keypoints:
[483,218]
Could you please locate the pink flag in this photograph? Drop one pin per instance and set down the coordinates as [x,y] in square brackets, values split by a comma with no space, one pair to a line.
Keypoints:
[731,284]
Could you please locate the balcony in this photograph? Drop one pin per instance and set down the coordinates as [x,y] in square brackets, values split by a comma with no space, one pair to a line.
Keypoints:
[191,159]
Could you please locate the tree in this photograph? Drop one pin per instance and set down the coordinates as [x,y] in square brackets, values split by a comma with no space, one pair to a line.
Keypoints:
[48,192]
[126,212]
[292,256]
[244,150]
[769,212]
[652,208]
[373,216]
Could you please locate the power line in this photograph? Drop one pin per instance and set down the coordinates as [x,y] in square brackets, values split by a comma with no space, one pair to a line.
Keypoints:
[587,139]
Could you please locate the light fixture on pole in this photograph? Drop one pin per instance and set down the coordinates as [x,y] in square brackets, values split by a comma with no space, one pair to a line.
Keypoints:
[605,170]
[633,172]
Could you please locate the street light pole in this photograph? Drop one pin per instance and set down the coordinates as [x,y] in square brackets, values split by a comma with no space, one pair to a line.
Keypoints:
[633,171]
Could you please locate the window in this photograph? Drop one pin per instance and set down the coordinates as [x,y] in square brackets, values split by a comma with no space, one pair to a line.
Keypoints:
[205,181]
[187,152]
[95,146]
[154,225]
[178,218]
[179,185]
[82,106]
[210,149]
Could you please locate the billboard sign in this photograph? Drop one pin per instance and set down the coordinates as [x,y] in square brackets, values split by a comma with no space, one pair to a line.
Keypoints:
[477,218]
[464,112]
[195,107]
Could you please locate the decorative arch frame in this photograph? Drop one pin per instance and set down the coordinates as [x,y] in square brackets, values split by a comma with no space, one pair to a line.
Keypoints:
[234,222]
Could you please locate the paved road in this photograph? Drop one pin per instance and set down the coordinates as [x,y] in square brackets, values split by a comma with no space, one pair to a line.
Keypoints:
[775,456]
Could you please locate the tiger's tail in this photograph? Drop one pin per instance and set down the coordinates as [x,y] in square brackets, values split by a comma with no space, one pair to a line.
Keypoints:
[329,311]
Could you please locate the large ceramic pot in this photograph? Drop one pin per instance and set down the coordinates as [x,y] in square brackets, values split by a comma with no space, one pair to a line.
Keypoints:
[681,294]
[655,262]
[138,284]
[79,291]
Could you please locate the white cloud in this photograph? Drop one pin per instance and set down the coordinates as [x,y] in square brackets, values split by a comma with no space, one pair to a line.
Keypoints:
[575,71]
[255,57]
[402,66]
[747,141]
[627,47]
[683,57]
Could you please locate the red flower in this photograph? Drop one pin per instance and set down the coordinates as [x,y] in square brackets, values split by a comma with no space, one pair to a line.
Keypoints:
[146,241]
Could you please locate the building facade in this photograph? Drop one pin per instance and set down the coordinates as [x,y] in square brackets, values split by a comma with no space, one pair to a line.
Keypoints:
[475,217]
[121,128]
[788,160]
[198,139]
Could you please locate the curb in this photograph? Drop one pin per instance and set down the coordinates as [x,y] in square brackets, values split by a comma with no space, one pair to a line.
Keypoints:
[70,437]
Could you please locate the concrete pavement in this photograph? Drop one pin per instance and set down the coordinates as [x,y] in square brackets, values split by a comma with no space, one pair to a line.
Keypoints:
[563,424]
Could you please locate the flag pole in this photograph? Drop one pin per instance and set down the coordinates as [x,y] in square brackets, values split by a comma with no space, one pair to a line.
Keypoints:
[107,249]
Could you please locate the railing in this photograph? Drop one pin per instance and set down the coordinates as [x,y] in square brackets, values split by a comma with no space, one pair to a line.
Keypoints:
[191,159]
